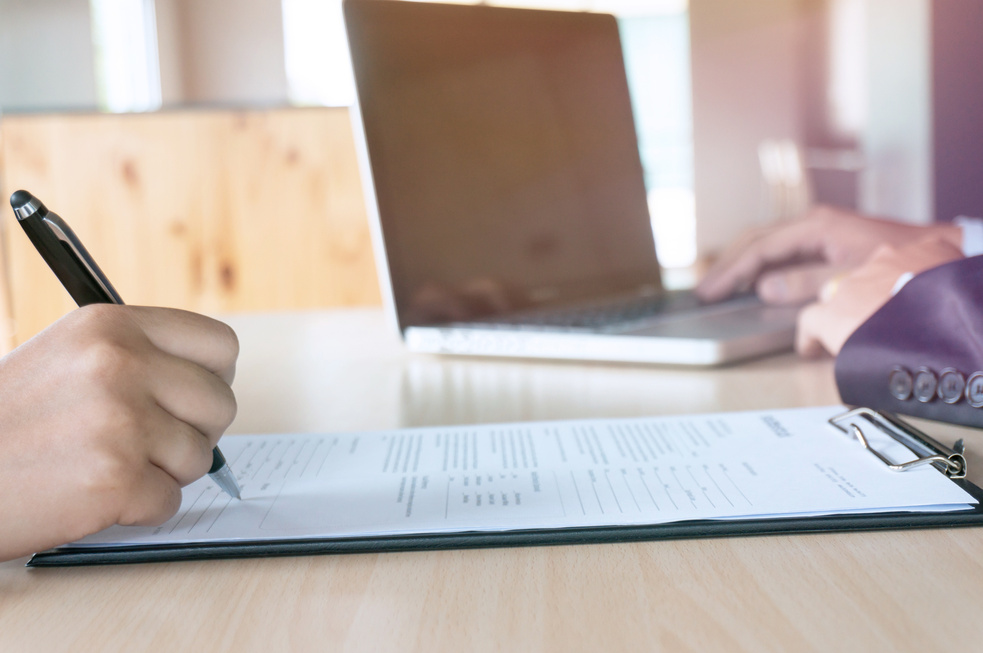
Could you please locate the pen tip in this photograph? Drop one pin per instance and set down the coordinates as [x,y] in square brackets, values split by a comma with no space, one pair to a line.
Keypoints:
[226,480]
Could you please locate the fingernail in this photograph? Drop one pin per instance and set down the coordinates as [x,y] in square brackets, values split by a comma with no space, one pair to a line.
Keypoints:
[773,289]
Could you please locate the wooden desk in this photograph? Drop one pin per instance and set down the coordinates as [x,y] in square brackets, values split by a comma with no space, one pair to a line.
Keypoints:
[904,590]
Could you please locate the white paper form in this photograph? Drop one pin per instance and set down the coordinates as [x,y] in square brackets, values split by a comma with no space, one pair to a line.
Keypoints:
[543,475]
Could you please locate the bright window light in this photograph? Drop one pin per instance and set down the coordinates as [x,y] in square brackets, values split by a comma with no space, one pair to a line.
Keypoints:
[124,35]
[319,69]
[673,213]
[657,60]
[847,79]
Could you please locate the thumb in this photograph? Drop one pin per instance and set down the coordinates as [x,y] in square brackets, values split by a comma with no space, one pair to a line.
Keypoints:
[808,342]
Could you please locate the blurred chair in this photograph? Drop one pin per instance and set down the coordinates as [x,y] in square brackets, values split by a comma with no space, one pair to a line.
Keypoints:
[213,211]
[786,190]
[794,178]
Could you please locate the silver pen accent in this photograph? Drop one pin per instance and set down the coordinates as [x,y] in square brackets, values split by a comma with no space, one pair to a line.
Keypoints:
[225,479]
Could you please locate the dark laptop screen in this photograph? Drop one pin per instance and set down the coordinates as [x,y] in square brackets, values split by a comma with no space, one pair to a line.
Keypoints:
[503,155]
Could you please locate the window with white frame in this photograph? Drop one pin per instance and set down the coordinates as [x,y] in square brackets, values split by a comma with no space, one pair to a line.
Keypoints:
[124,36]
[316,53]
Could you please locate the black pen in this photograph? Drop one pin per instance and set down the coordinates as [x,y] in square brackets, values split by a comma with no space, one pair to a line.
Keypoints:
[85,282]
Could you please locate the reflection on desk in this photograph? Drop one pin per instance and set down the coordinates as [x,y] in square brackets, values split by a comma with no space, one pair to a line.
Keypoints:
[346,370]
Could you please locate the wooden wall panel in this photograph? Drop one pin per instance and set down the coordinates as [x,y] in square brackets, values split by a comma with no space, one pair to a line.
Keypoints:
[213,211]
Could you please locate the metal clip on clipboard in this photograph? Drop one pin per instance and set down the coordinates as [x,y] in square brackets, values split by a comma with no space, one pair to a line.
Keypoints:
[951,462]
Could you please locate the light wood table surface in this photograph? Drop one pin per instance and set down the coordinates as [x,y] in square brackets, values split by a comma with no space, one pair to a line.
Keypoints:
[344,370]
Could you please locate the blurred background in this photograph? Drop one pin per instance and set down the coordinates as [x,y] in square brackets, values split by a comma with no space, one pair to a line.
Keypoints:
[747,112]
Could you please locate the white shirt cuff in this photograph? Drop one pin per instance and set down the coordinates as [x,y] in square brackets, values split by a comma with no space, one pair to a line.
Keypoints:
[972,235]
[900,283]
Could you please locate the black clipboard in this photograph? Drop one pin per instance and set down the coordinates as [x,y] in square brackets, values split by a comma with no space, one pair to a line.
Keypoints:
[949,461]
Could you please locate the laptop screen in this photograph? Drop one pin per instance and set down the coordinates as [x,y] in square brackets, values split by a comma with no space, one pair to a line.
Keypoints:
[503,156]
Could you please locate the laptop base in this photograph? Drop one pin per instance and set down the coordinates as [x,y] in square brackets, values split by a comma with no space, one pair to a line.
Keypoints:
[706,341]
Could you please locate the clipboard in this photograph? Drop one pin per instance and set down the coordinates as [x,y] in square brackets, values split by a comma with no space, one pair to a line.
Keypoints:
[859,423]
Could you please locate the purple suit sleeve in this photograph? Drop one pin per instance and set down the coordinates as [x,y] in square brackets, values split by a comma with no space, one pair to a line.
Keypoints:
[921,354]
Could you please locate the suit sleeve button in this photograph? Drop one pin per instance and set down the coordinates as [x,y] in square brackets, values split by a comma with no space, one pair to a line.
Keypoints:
[974,390]
[925,385]
[951,385]
[899,383]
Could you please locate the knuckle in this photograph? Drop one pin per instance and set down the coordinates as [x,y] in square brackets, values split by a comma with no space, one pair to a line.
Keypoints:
[229,408]
[170,503]
[220,404]
[116,422]
[230,342]
[200,462]
[95,322]
[105,361]
[96,315]
[883,250]
[195,460]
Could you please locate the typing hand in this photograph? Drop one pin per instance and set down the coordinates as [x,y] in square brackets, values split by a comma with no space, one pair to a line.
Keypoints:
[826,324]
[789,262]
[104,416]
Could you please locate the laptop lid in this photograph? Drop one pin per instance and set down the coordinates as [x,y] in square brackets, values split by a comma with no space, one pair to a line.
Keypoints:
[504,162]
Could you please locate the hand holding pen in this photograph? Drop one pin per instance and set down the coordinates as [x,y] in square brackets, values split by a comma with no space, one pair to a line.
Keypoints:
[86,283]
[104,416]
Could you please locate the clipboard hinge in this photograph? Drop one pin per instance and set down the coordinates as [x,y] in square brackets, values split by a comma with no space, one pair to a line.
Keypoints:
[950,462]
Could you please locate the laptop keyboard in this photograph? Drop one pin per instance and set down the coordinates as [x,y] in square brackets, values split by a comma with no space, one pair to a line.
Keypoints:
[595,317]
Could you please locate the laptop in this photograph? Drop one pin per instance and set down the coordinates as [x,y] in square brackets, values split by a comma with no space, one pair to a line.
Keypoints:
[505,192]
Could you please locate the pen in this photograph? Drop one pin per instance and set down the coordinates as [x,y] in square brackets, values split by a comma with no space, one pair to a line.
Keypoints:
[85,282]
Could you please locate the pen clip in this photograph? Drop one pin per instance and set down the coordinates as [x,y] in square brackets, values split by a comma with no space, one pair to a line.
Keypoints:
[71,242]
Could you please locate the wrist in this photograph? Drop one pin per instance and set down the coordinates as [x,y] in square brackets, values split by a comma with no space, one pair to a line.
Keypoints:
[950,232]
